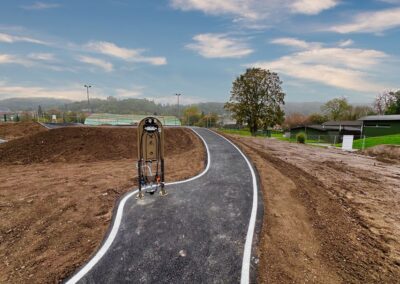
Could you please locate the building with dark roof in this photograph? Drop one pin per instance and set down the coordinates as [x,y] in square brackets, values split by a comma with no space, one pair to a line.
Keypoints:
[348,127]
[329,131]
[380,125]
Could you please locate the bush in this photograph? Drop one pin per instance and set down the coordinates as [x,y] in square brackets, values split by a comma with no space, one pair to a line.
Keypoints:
[301,138]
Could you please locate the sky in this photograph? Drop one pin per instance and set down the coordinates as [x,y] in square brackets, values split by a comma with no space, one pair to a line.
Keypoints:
[153,49]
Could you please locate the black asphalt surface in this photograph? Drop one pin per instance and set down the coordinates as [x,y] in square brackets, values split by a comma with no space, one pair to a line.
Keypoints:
[195,234]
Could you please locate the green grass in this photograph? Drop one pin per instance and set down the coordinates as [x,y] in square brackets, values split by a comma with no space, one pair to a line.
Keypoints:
[277,135]
[369,142]
[243,132]
[379,140]
[246,132]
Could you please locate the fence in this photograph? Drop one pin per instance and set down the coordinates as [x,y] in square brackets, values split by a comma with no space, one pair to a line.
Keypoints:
[240,130]
[120,119]
[330,140]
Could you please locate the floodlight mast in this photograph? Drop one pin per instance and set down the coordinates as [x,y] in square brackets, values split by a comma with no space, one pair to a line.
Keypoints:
[178,95]
[88,100]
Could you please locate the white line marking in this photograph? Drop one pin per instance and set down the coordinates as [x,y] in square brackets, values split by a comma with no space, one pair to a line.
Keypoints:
[117,222]
[44,125]
[245,276]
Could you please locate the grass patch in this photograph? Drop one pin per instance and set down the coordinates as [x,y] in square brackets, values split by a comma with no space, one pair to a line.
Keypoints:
[379,140]
[277,135]
[246,132]
[242,132]
[274,134]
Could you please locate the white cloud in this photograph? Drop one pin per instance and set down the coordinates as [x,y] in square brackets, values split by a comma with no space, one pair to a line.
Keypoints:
[40,6]
[294,42]
[73,92]
[132,55]
[106,66]
[370,22]
[346,68]
[391,1]
[346,43]
[13,59]
[312,7]
[129,93]
[241,8]
[7,38]
[35,60]
[42,56]
[254,10]
[219,46]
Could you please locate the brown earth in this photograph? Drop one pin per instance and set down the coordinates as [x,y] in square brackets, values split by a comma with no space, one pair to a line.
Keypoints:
[51,180]
[10,131]
[330,216]
[385,153]
[84,144]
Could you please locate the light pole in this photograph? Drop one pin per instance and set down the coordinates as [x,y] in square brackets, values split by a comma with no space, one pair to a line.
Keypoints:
[177,96]
[87,92]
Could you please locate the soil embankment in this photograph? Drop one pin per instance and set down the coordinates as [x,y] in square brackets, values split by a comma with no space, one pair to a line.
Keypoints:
[10,131]
[86,144]
[58,189]
[385,153]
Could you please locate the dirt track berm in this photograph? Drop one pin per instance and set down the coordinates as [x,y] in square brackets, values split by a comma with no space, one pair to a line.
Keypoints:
[150,157]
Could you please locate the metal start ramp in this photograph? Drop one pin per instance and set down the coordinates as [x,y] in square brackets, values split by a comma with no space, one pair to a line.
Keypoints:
[203,231]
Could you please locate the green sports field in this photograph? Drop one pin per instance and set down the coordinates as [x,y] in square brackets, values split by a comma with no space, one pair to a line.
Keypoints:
[379,140]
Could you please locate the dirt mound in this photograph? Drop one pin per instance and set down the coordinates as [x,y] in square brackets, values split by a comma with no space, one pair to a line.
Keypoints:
[54,216]
[384,153]
[81,144]
[10,131]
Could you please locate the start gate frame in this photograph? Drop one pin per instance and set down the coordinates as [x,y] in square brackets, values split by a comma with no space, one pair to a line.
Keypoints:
[150,165]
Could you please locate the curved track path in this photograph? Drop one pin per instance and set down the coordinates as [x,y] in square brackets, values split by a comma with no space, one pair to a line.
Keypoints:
[204,231]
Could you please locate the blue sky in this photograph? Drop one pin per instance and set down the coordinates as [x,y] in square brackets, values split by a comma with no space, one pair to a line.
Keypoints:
[153,49]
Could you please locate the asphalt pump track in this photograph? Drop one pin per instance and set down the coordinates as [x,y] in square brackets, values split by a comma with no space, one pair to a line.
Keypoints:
[204,231]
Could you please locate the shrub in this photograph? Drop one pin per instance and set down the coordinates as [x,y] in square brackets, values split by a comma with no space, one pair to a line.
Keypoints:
[301,138]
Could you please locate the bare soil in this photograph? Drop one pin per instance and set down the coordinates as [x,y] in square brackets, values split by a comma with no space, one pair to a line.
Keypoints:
[84,144]
[10,131]
[385,153]
[58,189]
[330,216]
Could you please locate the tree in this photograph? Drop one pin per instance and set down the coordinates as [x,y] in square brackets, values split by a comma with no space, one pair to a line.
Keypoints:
[336,109]
[383,101]
[357,112]
[256,99]
[317,118]
[208,120]
[394,105]
[40,111]
[296,119]
[191,115]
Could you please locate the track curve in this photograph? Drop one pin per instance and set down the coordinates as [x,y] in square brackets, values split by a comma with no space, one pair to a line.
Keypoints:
[202,231]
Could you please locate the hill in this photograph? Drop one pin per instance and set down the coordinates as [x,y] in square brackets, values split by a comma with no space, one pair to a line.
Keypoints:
[140,106]
[27,104]
[135,106]
[302,107]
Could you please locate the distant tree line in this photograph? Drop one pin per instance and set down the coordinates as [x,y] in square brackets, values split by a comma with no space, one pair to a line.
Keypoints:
[335,109]
[340,109]
[388,103]
[192,115]
[140,106]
